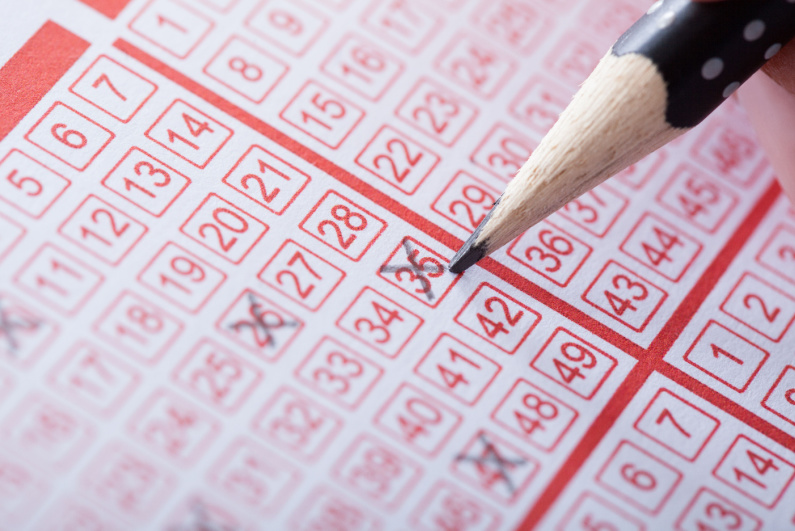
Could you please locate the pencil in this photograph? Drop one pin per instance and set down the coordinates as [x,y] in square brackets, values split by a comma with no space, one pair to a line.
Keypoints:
[662,77]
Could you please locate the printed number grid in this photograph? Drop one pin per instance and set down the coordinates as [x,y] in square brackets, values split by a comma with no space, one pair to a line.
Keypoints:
[224,303]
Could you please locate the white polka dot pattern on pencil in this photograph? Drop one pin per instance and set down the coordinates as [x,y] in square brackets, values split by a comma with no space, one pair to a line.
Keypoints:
[712,68]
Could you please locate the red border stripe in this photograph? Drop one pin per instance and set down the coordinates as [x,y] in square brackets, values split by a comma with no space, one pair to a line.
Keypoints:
[109,8]
[34,70]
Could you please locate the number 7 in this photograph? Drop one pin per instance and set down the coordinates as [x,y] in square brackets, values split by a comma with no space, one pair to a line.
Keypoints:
[667,414]
[105,78]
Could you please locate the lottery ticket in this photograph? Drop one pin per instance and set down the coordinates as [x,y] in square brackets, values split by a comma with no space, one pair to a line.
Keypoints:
[224,303]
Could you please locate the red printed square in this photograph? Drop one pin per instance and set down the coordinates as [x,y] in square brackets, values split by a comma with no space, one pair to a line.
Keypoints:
[181,277]
[406,25]
[146,182]
[173,427]
[322,114]
[755,472]
[114,88]
[465,201]
[595,211]
[287,24]
[574,363]
[325,508]
[591,511]
[46,433]
[514,23]
[23,489]
[780,400]
[217,376]
[102,230]
[138,327]
[126,483]
[573,58]
[266,179]
[760,306]
[379,322]
[457,370]
[624,296]
[361,468]
[475,65]
[171,26]
[224,229]
[696,198]
[258,325]
[421,422]
[503,151]
[498,318]
[661,247]
[551,252]
[301,275]
[447,507]
[25,333]
[58,280]
[534,415]
[69,136]
[71,515]
[539,103]
[495,467]
[297,424]
[639,478]
[255,477]
[778,254]
[708,510]
[677,424]
[397,160]
[731,153]
[94,380]
[726,356]
[338,373]
[189,133]
[436,111]
[419,272]
[343,225]
[362,67]
[245,69]
[29,186]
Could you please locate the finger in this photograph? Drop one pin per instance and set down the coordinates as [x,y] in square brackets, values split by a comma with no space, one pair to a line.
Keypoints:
[782,67]
[772,112]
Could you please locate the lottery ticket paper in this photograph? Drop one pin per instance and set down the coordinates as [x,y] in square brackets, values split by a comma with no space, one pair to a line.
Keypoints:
[224,303]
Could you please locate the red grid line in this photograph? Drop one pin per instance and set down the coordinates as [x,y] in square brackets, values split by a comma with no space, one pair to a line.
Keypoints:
[649,360]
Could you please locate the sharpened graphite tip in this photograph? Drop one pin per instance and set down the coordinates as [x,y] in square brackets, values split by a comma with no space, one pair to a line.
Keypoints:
[467,256]
[471,252]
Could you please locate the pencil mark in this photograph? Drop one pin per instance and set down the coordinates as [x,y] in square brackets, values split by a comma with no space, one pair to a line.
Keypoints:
[259,322]
[417,270]
[10,325]
[492,466]
[199,519]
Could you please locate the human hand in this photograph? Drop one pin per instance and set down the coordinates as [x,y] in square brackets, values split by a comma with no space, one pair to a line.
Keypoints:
[769,98]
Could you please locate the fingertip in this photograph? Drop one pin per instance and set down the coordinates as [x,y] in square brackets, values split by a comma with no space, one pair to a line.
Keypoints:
[771,109]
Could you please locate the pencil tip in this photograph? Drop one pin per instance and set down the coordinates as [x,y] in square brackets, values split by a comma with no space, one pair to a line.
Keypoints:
[469,254]
[472,251]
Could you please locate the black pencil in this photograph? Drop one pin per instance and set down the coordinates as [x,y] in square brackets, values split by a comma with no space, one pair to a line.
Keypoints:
[667,73]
